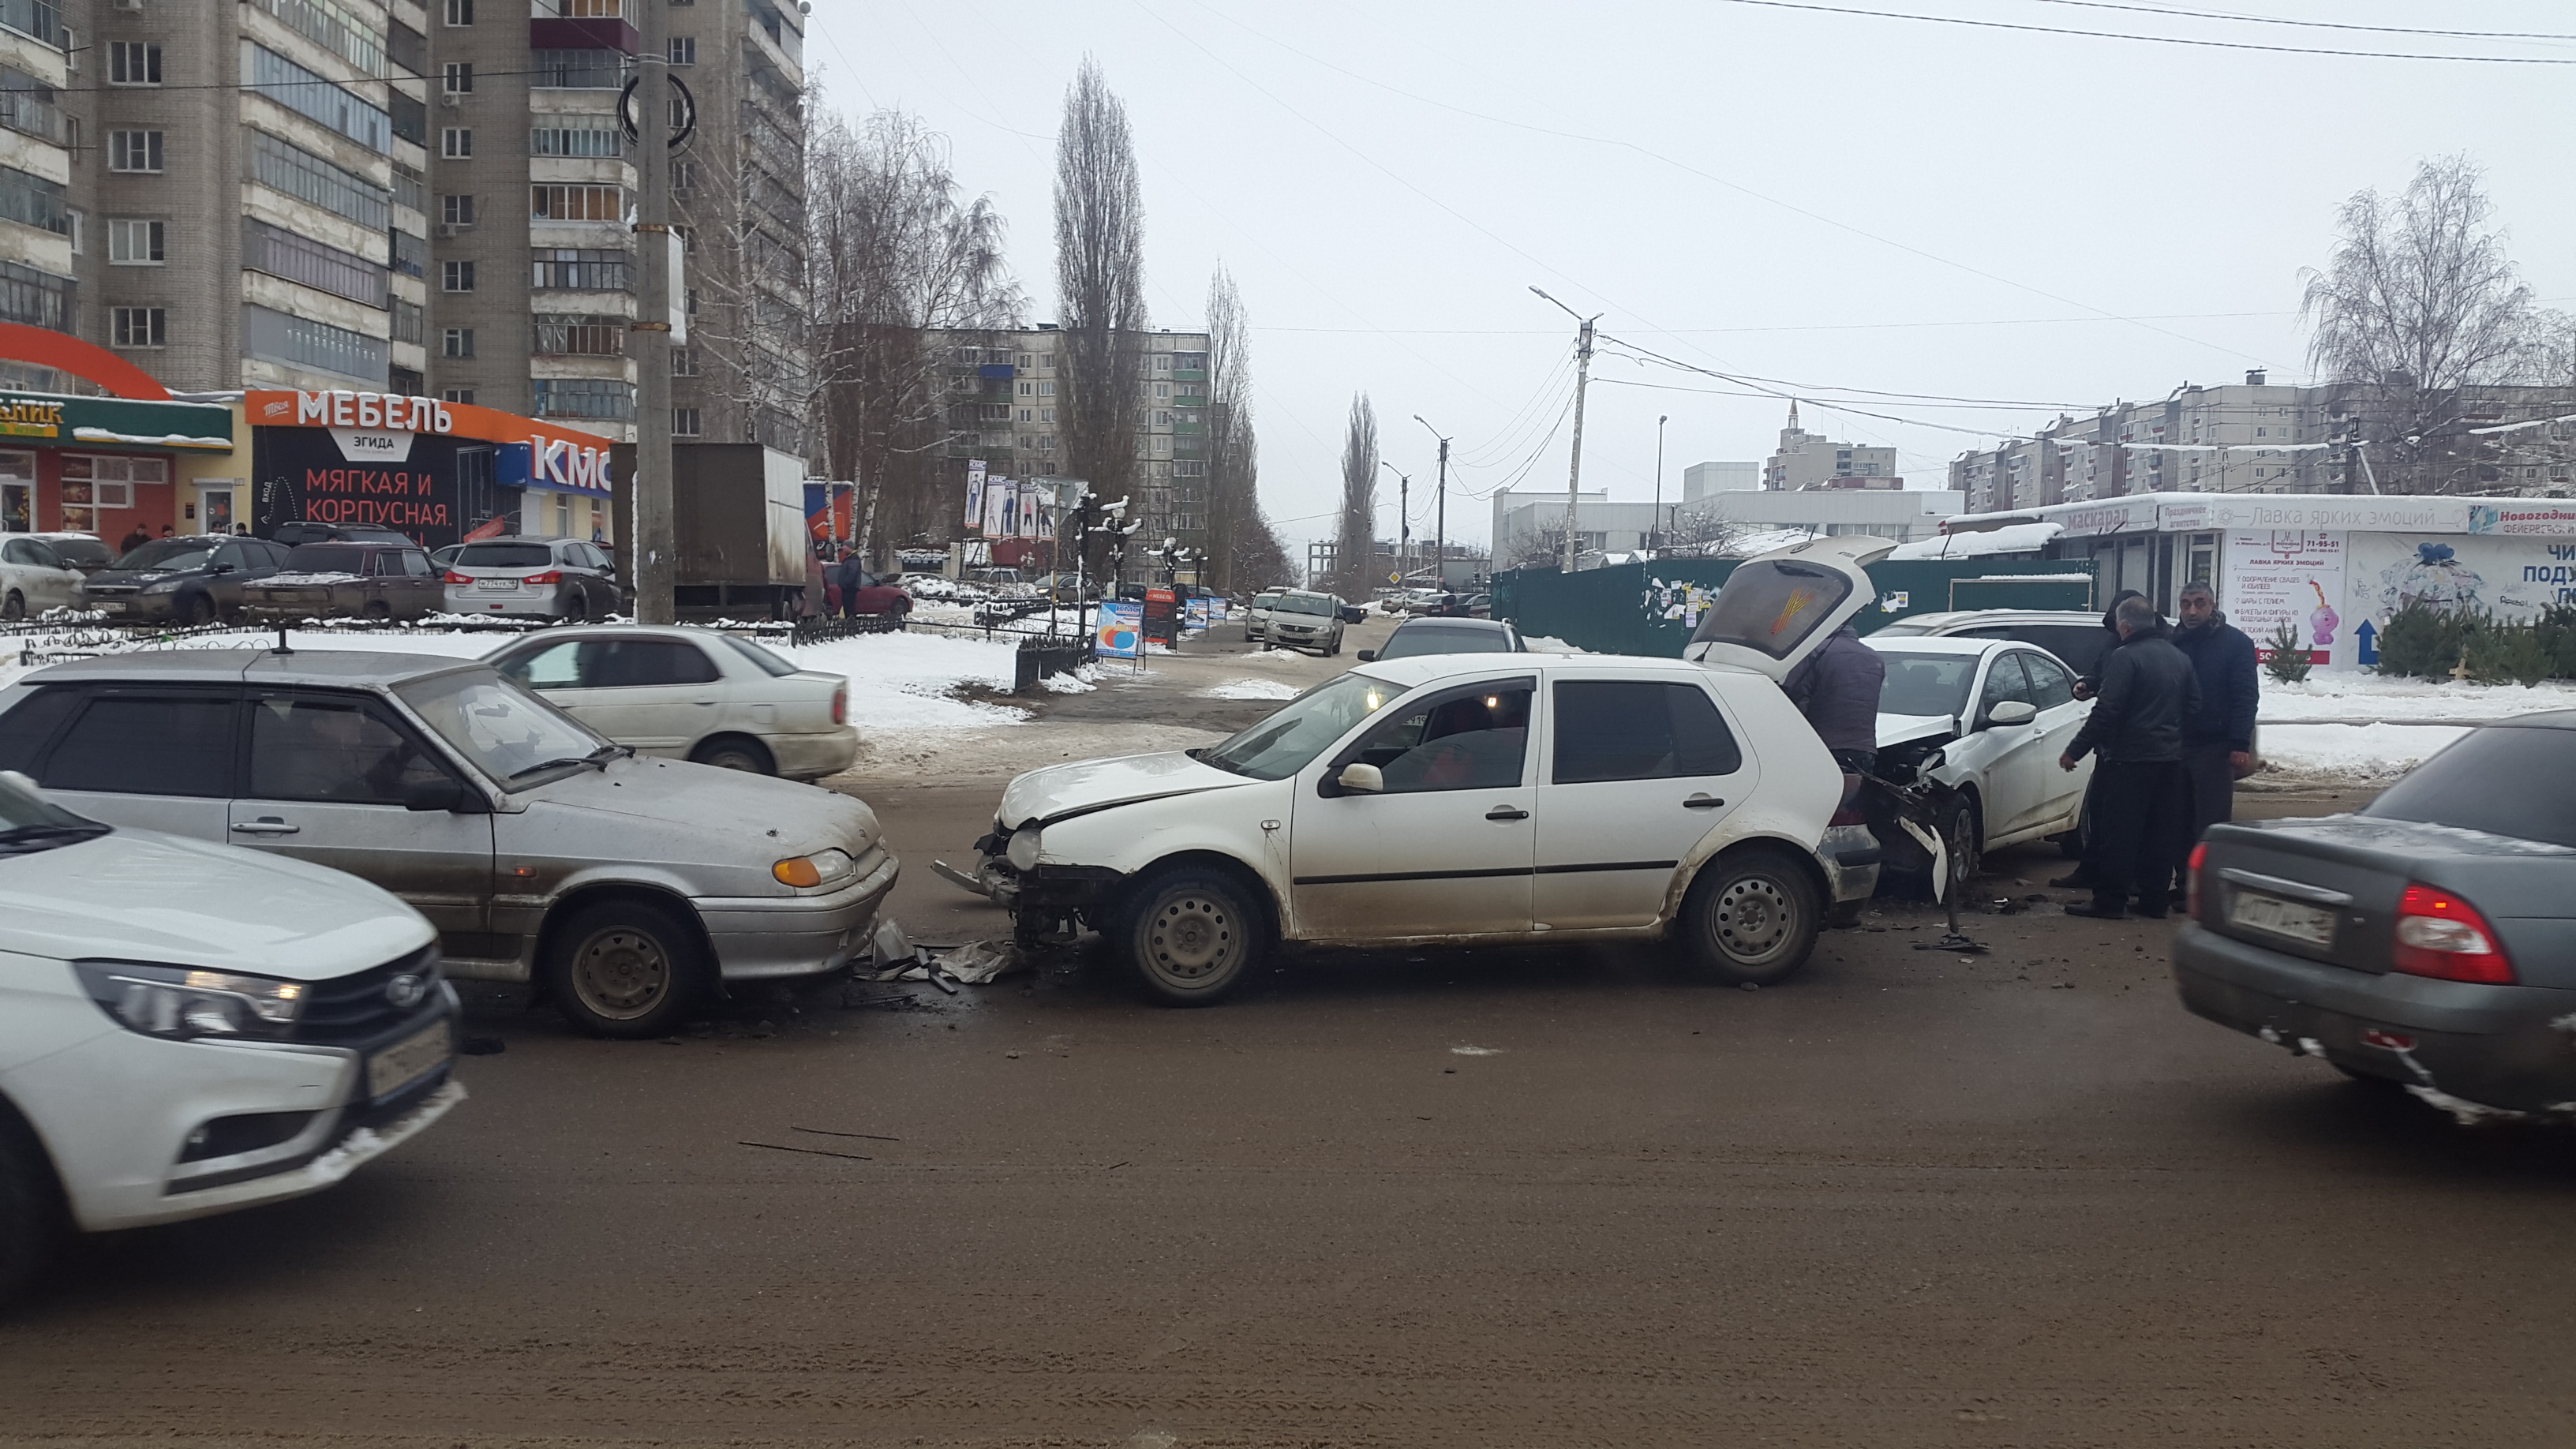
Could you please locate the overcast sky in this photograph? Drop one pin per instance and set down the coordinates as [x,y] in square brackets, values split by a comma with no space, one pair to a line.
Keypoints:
[1834,202]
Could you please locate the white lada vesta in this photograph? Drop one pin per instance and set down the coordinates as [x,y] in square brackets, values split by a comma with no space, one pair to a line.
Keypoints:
[1467,798]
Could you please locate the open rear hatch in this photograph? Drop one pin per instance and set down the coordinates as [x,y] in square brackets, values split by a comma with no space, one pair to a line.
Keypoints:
[1780,607]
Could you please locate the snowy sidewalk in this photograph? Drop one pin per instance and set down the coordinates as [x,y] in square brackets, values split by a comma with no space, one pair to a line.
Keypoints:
[2372,727]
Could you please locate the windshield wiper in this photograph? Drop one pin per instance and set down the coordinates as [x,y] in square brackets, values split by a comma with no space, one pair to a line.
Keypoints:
[597,757]
[32,834]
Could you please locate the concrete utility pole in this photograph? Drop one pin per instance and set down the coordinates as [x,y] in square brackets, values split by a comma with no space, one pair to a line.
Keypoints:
[1582,380]
[1440,528]
[1654,539]
[1403,519]
[656,536]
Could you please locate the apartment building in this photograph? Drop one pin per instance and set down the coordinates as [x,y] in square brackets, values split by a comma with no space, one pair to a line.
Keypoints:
[1812,460]
[40,233]
[1002,408]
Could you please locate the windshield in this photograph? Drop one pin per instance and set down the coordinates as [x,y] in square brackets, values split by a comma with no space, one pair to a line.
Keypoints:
[2505,780]
[325,558]
[1288,741]
[1773,605]
[776,667]
[1925,683]
[1412,639]
[79,552]
[170,553]
[509,734]
[504,556]
[30,822]
[1306,604]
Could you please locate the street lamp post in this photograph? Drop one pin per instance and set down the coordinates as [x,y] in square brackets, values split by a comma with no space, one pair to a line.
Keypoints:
[1582,382]
[1440,528]
[1655,537]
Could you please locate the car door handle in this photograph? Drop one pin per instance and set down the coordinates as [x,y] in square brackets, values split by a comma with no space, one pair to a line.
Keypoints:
[266,825]
[1702,802]
[1507,812]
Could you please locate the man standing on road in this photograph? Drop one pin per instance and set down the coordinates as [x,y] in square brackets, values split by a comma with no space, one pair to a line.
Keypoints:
[2218,737]
[1837,690]
[2147,691]
[2087,684]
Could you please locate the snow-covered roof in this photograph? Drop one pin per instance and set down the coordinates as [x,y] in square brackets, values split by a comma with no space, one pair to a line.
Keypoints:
[2011,538]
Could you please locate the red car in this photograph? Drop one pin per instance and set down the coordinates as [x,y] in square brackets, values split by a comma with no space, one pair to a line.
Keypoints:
[876,594]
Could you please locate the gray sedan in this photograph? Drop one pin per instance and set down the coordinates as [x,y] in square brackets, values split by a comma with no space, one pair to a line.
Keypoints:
[627,887]
[2428,941]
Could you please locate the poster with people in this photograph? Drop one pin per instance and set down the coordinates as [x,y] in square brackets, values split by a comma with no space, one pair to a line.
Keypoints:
[1001,508]
[1119,632]
[2284,576]
[974,493]
[1201,614]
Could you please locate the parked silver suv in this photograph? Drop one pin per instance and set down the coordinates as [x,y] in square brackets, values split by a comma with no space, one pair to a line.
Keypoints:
[626,886]
[558,578]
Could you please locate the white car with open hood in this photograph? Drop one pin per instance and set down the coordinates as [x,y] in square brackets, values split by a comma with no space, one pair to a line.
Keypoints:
[1470,798]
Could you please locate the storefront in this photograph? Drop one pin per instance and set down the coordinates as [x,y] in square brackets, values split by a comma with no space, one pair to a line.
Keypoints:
[111,467]
[437,471]
[2333,568]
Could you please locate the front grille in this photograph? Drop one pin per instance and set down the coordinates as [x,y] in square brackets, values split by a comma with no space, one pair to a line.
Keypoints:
[353,1008]
[110,588]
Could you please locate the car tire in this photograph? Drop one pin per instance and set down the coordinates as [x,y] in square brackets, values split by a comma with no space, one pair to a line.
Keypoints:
[31,1208]
[1751,917]
[626,968]
[1192,935]
[733,752]
[14,608]
[379,611]
[196,610]
[1963,839]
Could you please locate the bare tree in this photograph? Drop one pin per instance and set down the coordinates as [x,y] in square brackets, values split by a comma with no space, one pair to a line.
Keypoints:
[740,195]
[2419,308]
[1355,545]
[1542,548]
[900,269]
[1236,528]
[1100,285]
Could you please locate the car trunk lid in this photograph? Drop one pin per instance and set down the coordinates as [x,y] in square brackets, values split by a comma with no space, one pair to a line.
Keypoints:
[1777,609]
[2329,888]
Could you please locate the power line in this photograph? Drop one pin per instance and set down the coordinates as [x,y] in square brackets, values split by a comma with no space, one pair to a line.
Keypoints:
[2151,39]
[2312,24]
[1796,327]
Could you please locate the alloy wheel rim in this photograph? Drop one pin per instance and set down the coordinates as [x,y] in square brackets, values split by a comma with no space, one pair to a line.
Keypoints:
[1192,939]
[621,973]
[1754,917]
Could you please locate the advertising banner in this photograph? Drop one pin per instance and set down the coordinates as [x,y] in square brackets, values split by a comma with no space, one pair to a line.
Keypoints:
[1162,614]
[1202,614]
[2275,577]
[2513,578]
[827,511]
[1120,631]
[1001,509]
[974,493]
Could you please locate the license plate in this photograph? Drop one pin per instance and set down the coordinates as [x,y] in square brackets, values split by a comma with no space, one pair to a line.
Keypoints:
[2257,911]
[111,606]
[496,585]
[406,1060]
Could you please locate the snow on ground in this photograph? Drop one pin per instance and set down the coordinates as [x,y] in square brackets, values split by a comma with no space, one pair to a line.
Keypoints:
[2353,752]
[2357,696]
[1267,655]
[903,682]
[1253,689]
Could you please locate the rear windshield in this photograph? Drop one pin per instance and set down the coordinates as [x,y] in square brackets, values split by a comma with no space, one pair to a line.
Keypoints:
[1444,639]
[1773,605]
[325,558]
[2505,780]
[505,556]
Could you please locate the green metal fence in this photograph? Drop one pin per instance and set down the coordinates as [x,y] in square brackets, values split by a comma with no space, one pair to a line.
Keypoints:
[1651,608]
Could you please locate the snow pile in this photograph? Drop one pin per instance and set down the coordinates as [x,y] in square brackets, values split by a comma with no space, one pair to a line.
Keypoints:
[1080,681]
[1270,655]
[906,681]
[2351,696]
[1753,545]
[1253,689]
[2011,538]
[1548,644]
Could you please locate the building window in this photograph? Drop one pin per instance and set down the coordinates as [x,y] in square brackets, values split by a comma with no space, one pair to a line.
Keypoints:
[684,50]
[684,362]
[316,98]
[140,326]
[1046,415]
[456,276]
[409,326]
[459,78]
[581,70]
[584,397]
[576,203]
[684,176]
[1028,415]
[456,142]
[134,151]
[1046,388]
[133,63]
[684,422]
[463,395]
[456,342]
[600,142]
[299,258]
[411,253]
[570,335]
[406,382]
[460,12]
[1162,390]
[581,269]
[307,177]
[80,229]
[302,342]
[456,210]
[38,299]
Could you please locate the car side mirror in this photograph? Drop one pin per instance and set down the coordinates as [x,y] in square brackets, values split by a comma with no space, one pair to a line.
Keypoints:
[2013,712]
[441,793]
[219,568]
[1363,779]
[1368,656]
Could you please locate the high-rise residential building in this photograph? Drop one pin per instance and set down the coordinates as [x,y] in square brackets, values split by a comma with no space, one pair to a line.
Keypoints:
[40,233]
[1812,460]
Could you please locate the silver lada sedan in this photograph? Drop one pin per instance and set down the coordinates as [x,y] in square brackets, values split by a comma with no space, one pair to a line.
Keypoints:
[628,888]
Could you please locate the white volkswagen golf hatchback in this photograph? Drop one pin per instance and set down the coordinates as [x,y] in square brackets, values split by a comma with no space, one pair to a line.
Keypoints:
[1471,798]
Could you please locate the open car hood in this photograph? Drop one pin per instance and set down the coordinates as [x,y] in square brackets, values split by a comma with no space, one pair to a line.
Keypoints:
[1088,785]
[1778,608]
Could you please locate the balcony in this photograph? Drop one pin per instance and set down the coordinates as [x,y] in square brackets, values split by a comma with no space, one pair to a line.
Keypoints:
[599,32]
[34,18]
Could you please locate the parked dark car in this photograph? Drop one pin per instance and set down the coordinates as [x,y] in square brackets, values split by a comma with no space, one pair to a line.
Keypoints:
[1430,634]
[304,530]
[188,580]
[348,581]
[2428,940]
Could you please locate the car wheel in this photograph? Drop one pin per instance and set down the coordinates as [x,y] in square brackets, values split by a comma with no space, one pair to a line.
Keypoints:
[14,608]
[736,754]
[379,611]
[1193,935]
[31,1209]
[1963,840]
[197,610]
[625,968]
[1751,917]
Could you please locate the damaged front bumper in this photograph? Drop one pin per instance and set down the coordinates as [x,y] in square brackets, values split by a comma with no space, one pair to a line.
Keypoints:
[1052,890]
[2506,1047]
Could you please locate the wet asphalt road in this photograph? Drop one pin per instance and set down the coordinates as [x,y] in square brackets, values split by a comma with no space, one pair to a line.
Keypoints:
[1567,1197]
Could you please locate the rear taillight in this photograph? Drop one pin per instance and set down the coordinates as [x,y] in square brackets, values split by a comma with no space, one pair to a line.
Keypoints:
[2191,881]
[2440,935]
[454,577]
[550,576]
[841,705]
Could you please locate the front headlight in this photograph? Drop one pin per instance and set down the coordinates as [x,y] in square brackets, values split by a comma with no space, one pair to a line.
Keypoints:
[1023,850]
[180,1003]
[823,867]
[163,586]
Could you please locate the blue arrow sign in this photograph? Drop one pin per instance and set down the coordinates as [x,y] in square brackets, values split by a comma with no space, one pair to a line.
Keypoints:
[2369,638]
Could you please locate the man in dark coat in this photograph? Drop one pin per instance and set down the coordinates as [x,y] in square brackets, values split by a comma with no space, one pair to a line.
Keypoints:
[2218,737]
[2147,691]
[2086,685]
[1837,688]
